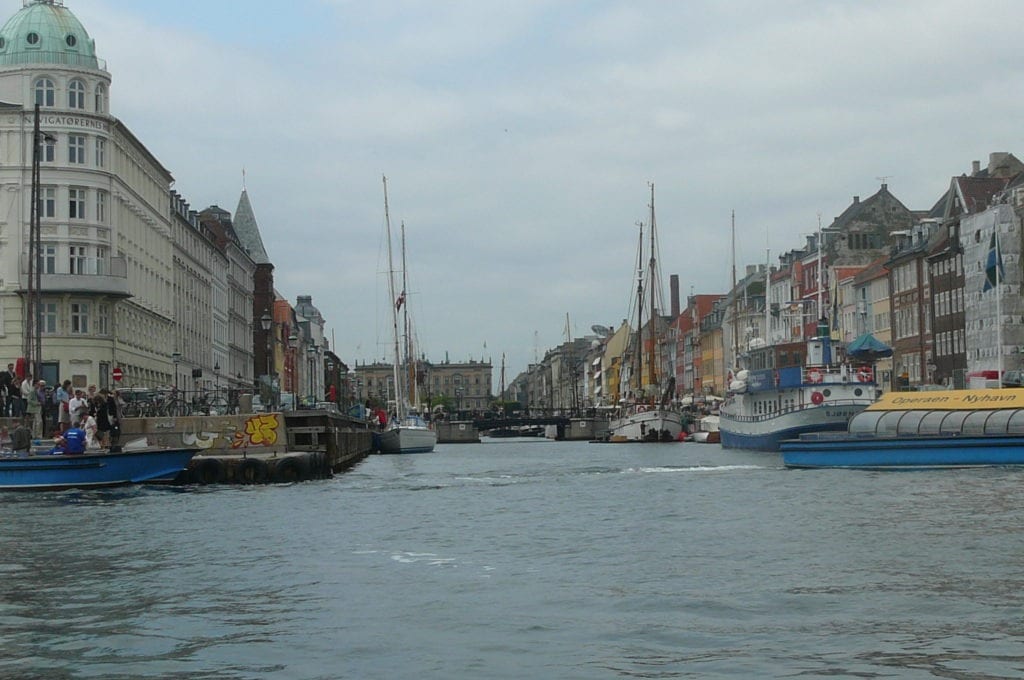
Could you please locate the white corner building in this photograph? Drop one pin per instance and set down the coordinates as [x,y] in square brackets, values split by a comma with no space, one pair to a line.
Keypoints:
[105,215]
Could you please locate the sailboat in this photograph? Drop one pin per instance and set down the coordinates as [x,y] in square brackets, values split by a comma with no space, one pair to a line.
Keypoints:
[406,431]
[644,416]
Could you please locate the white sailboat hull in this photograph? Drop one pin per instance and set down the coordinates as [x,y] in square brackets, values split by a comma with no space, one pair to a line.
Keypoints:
[651,425]
[408,439]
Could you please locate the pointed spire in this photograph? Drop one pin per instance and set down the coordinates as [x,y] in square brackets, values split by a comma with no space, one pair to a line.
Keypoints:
[248,230]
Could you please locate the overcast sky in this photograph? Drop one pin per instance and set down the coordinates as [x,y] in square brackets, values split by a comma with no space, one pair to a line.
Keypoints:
[519,137]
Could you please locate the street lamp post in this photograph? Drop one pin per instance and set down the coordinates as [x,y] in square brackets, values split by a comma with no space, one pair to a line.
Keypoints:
[176,359]
[266,323]
[311,352]
[216,377]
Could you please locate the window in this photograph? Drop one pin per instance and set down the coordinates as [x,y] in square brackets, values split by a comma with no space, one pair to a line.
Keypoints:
[49,317]
[76,148]
[76,203]
[48,256]
[99,262]
[77,260]
[79,317]
[45,92]
[101,206]
[47,202]
[101,98]
[76,94]
[101,152]
[48,149]
[103,319]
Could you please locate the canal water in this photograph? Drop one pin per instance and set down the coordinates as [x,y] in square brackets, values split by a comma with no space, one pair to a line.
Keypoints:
[524,559]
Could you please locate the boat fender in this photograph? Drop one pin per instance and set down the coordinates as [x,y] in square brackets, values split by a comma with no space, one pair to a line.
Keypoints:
[291,469]
[817,398]
[208,471]
[252,471]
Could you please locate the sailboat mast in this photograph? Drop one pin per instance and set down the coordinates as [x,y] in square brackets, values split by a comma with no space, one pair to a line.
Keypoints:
[821,279]
[638,359]
[735,301]
[767,293]
[394,306]
[412,389]
[652,278]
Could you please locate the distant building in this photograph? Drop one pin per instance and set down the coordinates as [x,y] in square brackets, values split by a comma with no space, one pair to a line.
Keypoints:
[467,386]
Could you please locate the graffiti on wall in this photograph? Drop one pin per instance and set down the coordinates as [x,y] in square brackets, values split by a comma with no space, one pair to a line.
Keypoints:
[258,430]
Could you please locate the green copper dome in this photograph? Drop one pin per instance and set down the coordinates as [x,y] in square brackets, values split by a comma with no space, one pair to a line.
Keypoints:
[46,32]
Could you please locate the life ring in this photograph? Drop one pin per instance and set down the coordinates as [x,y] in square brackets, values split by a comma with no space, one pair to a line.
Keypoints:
[817,398]
[864,374]
[207,471]
[815,376]
[252,471]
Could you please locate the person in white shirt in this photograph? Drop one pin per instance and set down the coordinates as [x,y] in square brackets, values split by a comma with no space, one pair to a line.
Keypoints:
[78,408]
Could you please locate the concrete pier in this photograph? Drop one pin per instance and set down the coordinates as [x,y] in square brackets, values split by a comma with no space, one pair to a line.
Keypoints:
[258,448]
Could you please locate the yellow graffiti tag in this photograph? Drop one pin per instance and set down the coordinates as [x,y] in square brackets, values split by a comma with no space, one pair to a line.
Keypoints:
[260,430]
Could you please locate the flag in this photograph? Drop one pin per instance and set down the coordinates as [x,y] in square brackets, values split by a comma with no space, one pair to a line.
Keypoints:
[400,301]
[994,272]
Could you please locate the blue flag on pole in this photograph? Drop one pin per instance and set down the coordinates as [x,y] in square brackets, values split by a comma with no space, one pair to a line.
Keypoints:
[994,272]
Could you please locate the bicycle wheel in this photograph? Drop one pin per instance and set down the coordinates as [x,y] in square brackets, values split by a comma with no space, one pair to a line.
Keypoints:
[176,408]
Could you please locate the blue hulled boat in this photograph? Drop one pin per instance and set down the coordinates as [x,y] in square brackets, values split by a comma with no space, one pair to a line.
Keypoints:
[44,471]
[913,430]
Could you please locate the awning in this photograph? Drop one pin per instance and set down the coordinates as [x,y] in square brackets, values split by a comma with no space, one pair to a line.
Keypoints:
[868,348]
[596,361]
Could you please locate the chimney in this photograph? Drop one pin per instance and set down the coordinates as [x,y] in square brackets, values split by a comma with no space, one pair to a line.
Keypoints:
[975,168]
[999,164]
[856,200]
[673,287]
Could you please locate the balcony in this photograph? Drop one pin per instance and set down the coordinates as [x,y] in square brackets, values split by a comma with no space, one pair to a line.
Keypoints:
[108,277]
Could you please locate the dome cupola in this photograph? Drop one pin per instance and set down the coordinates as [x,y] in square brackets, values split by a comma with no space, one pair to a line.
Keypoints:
[46,32]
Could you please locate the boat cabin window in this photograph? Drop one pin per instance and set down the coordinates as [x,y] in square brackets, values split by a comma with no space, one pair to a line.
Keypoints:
[910,423]
[953,422]
[999,421]
[932,421]
[1016,422]
[865,422]
[888,424]
[975,422]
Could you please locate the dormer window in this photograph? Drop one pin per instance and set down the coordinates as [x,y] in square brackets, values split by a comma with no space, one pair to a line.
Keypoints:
[71,40]
[32,38]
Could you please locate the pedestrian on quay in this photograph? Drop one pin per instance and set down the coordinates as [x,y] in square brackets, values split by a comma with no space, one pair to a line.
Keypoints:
[108,420]
[7,390]
[78,408]
[17,400]
[35,402]
[62,398]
